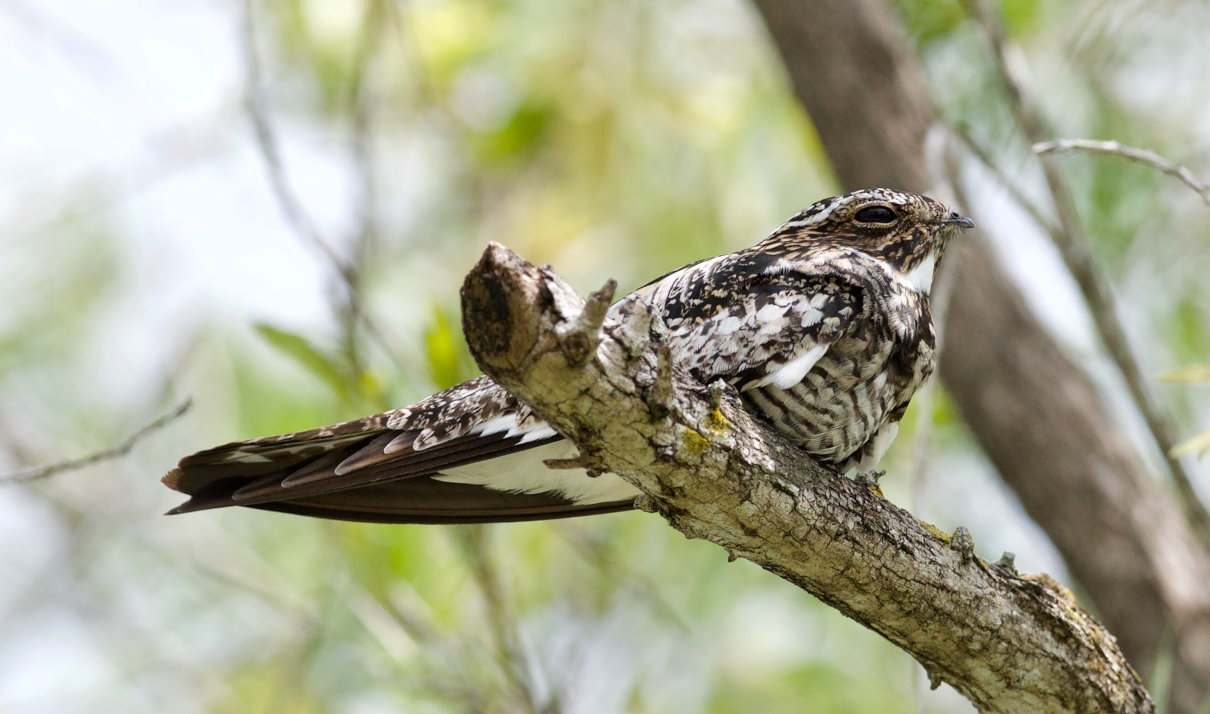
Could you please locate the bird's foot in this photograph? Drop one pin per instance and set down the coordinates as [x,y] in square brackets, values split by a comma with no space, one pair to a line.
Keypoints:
[869,478]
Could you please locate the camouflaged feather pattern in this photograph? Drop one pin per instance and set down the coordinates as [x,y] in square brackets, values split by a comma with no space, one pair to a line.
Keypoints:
[739,317]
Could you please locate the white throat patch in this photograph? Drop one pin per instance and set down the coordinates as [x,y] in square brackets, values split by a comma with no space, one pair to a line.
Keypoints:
[921,277]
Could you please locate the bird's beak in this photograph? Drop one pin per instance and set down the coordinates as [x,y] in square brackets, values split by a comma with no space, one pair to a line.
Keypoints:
[957,220]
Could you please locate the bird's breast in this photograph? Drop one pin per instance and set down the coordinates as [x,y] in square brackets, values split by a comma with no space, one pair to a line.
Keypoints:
[841,403]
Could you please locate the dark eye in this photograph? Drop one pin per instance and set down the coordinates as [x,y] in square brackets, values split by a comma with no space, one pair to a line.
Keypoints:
[876,214]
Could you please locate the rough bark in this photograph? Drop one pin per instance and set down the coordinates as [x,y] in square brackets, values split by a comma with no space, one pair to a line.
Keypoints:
[1036,414]
[1010,643]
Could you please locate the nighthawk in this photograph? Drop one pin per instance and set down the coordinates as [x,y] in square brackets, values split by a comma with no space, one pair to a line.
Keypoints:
[823,327]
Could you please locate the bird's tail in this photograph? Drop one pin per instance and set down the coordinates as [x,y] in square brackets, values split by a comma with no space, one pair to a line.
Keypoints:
[469,454]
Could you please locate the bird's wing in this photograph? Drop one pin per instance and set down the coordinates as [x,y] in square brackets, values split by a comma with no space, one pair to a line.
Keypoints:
[758,320]
[472,453]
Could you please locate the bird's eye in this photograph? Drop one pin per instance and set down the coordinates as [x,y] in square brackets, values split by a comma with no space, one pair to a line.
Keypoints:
[876,214]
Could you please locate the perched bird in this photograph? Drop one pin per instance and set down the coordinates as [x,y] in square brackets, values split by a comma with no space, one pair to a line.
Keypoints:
[824,327]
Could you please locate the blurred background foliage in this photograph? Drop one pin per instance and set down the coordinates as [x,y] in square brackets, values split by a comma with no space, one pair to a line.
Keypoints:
[145,258]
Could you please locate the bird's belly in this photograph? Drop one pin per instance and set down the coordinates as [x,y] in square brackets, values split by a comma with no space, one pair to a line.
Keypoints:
[829,417]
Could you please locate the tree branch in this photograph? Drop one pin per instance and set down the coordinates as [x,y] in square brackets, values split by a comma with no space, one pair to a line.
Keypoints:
[1133,153]
[113,452]
[1009,643]
[1008,183]
[502,622]
[268,146]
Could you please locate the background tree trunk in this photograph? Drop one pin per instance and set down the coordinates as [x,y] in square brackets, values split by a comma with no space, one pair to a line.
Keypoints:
[1035,413]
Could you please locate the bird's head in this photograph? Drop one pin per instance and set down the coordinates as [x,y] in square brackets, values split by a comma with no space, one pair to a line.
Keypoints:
[907,230]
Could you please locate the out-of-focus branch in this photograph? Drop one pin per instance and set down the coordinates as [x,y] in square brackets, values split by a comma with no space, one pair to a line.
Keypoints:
[1006,182]
[270,150]
[350,272]
[113,452]
[595,552]
[85,54]
[505,637]
[399,623]
[396,636]
[1074,247]
[361,147]
[362,130]
[1133,153]
[1009,643]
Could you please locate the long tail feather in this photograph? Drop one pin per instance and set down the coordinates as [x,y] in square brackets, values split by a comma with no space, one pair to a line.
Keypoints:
[404,466]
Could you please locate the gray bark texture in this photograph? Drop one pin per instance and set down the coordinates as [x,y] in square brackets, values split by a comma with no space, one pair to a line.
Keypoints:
[1036,414]
[1008,642]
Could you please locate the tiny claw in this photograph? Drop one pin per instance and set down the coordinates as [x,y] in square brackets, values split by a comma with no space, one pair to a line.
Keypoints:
[869,478]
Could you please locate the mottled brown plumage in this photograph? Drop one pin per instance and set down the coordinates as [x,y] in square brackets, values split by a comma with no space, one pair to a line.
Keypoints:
[824,327]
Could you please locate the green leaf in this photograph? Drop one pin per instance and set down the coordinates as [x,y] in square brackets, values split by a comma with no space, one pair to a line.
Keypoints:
[519,136]
[308,356]
[1189,374]
[1021,16]
[1199,445]
[448,360]
[929,21]
[1188,326]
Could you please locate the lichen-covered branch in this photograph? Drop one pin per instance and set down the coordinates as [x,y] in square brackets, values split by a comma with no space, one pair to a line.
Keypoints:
[1008,642]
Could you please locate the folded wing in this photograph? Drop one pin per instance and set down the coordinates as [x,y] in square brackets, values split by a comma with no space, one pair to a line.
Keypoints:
[757,322]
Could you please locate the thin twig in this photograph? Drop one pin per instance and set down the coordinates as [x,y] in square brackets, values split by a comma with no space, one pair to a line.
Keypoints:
[362,131]
[503,625]
[1133,153]
[401,630]
[361,141]
[595,552]
[1006,182]
[269,148]
[361,149]
[1073,245]
[85,54]
[113,452]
